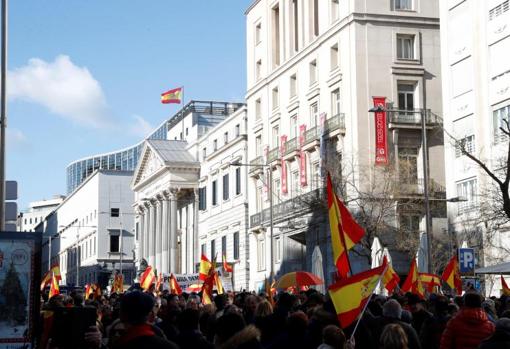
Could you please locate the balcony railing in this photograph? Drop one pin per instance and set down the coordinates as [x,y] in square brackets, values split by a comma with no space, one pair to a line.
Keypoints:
[297,205]
[273,154]
[416,186]
[412,117]
[256,163]
[291,145]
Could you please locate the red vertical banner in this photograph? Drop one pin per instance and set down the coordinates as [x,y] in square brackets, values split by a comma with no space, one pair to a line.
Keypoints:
[381,132]
[302,156]
[265,182]
[283,141]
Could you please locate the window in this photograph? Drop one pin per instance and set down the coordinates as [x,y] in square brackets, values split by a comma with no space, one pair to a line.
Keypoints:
[114,243]
[224,246]
[203,249]
[335,10]
[405,46]
[258,33]
[469,146]
[237,130]
[467,190]
[258,145]
[114,212]
[499,10]
[313,72]
[215,145]
[213,248]
[258,109]
[258,70]
[94,245]
[403,4]
[225,138]
[293,126]
[187,131]
[293,85]
[276,35]
[408,165]
[258,199]
[278,249]
[314,114]
[261,254]
[225,187]
[295,25]
[275,97]
[498,117]
[180,136]
[334,56]
[294,185]
[316,175]
[276,136]
[315,18]
[236,245]
[204,153]
[409,223]
[276,187]
[335,102]
[238,181]
[406,102]
[215,193]
[202,198]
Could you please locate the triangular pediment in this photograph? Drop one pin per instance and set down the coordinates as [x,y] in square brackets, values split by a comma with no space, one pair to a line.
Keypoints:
[150,162]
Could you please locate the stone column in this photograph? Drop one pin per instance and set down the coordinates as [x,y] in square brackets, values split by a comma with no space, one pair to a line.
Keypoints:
[146,232]
[159,222]
[173,233]
[152,235]
[141,223]
[164,230]
[195,253]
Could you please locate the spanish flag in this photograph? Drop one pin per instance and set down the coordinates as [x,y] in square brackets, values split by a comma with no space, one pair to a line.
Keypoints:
[175,288]
[88,291]
[118,284]
[227,267]
[54,289]
[451,275]
[207,289]
[270,290]
[345,232]
[147,278]
[172,96]
[205,267]
[46,279]
[350,295]
[219,284]
[413,282]
[390,278]
[429,281]
[159,281]
[504,287]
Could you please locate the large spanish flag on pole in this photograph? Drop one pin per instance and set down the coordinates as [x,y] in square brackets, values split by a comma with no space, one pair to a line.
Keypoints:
[390,278]
[46,279]
[451,275]
[351,295]
[413,282]
[54,288]
[505,290]
[205,267]
[345,232]
[172,96]
[429,281]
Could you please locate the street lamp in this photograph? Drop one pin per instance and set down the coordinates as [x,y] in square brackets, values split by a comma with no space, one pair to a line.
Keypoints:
[50,237]
[270,189]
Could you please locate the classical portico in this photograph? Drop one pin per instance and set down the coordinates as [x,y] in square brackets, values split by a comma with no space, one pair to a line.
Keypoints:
[166,201]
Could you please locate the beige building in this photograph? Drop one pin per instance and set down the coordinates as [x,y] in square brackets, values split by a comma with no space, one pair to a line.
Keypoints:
[309,57]
[475,44]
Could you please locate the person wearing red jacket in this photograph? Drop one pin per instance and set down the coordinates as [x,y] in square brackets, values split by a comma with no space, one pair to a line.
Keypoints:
[469,327]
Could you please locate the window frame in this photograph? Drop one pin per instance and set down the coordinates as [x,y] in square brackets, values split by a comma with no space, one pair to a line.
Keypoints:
[401,40]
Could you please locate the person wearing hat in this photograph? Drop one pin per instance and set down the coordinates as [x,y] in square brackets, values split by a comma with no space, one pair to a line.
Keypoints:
[500,338]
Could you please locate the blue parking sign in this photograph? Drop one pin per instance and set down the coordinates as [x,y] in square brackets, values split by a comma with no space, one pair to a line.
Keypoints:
[466,260]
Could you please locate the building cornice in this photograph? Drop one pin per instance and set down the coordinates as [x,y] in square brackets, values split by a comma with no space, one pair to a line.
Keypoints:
[254,3]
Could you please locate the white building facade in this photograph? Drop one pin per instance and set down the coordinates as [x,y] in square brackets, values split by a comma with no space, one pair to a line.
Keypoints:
[475,43]
[311,58]
[91,229]
[37,211]
[189,200]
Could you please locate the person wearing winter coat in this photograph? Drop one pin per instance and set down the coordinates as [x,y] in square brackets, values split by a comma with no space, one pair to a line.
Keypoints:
[501,337]
[469,327]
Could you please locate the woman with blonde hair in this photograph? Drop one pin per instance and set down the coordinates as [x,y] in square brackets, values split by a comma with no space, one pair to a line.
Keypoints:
[263,309]
[393,337]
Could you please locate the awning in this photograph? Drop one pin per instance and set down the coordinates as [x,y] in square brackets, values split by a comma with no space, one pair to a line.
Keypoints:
[503,268]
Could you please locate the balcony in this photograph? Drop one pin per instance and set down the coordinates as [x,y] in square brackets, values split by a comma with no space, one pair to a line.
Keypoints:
[256,164]
[411,119]
[298,205]
[415,187]
[273,154]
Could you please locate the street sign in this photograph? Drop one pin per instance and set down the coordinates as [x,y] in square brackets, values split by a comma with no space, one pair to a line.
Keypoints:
[466,260]
[11,190]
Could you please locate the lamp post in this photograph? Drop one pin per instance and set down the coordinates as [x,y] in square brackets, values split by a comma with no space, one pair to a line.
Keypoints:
[3,116]
[270,189]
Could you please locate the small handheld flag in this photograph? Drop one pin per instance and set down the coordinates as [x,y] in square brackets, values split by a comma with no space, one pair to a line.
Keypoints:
[54,288]
[175,288]
[413,283]
[390,278]
[429,281]
[205,267]
[226,266]
[451,275]
[172,96]
[504,287]
[147,278]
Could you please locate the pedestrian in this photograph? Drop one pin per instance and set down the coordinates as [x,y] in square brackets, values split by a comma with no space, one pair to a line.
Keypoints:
[469,327]
[189,336]
[393,337]
[432,328]
[332,338]
[500,339]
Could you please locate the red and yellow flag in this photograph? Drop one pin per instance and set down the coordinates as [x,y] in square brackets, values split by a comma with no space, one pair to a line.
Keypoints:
[118,283]
[88,291]
[219,284]
[429,281]
[350,295]
[175,288]
[147,278]
[451,275]
[159,281]
[54,288]
[226,266]
[345,232]
[205,267]
[390,278]
[97,291]
[207,289]
[505,290]
[172,96]
[46,279]
[270,290]
[413,282]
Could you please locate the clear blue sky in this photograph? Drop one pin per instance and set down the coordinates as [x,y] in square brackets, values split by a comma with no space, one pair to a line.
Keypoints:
[86,76]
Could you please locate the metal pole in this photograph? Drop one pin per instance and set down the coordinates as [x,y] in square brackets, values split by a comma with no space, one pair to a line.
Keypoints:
[271,217]
[120,242]
[49,253]
[3,116]
[78,256]
[425,154]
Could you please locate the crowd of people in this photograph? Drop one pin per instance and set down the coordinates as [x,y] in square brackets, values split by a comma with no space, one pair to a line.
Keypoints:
[305,320]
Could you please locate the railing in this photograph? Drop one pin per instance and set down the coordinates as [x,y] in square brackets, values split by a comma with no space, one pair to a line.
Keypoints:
[416,186]
[273,154]
[297,205]
[412,117]
[256,164]
[291,145]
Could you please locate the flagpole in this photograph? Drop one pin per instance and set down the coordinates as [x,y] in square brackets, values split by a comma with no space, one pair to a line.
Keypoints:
[366,304]
[182,108]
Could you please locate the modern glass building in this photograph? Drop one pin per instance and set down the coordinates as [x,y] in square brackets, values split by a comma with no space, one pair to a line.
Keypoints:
[126,159]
